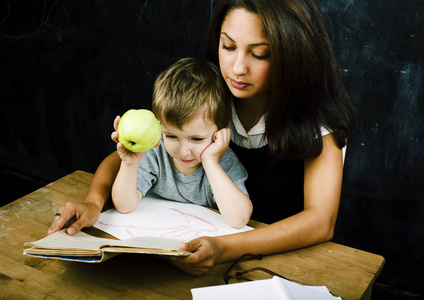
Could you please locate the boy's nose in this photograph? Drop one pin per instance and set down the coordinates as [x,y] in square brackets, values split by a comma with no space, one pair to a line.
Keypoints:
[184,150]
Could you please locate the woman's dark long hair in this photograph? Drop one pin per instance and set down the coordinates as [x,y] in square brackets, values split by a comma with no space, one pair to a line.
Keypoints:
[307,88]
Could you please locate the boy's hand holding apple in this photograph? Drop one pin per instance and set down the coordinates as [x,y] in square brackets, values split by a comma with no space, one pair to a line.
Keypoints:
[136,132]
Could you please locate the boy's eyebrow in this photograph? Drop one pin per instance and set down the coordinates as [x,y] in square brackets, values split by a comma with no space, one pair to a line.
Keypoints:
[250,45]
[197,135]
[166,132]
[203,136]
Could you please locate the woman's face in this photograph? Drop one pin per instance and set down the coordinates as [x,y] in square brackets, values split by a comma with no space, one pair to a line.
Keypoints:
[244,55]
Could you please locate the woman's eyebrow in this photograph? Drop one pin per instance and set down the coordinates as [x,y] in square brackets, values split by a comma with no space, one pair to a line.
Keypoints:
[250,45]
[228,37]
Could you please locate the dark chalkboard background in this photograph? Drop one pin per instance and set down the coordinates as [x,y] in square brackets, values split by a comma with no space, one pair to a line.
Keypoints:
[67,68]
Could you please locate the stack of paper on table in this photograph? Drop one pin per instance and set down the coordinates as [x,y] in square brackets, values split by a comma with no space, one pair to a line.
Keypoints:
[276,288]
[155,227]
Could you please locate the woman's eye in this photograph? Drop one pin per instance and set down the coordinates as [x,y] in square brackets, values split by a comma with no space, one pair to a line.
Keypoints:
[227,47]
[260,56]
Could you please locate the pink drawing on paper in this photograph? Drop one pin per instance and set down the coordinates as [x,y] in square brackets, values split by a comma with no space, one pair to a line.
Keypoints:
[192,227]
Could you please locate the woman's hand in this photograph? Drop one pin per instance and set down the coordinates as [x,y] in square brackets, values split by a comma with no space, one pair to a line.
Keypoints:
[205,254]
[86,214]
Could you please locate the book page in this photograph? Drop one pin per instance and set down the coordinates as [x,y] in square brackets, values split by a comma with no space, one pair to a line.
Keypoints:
[146,242]
[62,240]
[166,219]
[84,243]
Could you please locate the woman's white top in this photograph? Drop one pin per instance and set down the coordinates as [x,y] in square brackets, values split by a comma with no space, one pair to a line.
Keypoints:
[255,137]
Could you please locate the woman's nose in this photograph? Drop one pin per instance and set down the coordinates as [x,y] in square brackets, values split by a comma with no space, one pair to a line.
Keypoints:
[240,66]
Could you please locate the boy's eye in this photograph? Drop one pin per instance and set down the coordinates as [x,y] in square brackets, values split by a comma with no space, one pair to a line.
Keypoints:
[197,139]
[171,136]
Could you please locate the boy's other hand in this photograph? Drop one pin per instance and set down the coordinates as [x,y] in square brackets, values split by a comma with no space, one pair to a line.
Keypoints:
[220,143]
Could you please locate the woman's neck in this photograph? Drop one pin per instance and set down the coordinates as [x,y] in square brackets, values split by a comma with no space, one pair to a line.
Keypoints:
[249,111]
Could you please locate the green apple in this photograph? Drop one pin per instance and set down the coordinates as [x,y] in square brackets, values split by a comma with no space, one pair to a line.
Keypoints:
[139,130]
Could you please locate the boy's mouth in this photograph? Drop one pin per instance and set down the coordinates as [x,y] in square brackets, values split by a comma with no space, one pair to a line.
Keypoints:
[187,160]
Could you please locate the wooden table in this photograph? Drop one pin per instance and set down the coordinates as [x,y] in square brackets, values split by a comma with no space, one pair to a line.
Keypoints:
[346,272]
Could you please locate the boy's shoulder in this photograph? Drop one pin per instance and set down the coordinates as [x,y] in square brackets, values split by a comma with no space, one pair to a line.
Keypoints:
[231,165]
[229,158]
[156,153]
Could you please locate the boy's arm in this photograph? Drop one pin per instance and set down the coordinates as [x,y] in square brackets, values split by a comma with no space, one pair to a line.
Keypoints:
[125,195]
[233,204]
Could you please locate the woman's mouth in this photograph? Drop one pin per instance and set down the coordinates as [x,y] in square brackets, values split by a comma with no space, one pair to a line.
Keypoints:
[238,84]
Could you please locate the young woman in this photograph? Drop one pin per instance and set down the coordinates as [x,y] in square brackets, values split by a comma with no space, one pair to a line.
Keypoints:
[292,115]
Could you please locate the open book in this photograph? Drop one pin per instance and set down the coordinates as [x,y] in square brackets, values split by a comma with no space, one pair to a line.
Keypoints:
[156,226]
[87,248]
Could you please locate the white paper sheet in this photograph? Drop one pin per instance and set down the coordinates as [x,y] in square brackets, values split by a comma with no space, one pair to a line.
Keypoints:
[267,289]
[163,218]
[276,288]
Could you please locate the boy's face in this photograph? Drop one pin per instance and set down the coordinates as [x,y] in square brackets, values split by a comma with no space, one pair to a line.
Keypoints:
[186,145]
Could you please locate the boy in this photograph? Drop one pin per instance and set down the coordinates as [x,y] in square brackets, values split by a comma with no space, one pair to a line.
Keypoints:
[194,162]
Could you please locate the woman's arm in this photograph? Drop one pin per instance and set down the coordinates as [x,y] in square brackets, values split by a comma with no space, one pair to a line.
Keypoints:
[88,212]
[98,194]
[315,224]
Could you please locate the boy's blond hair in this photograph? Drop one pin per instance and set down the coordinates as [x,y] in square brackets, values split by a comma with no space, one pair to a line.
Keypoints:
[188,88]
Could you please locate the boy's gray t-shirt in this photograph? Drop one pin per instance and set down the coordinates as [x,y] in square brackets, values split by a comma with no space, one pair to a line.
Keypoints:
[157,174]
